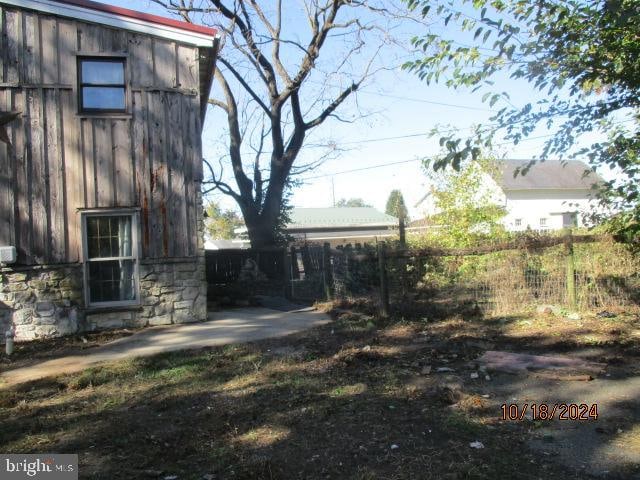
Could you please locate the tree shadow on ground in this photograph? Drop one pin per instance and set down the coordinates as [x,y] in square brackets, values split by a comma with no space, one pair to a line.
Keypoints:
[344,401]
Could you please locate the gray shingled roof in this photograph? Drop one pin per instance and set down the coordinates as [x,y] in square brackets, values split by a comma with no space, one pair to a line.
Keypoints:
[550,174]
[338,217]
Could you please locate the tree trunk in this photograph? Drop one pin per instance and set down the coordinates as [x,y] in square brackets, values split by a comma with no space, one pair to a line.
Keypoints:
[261,229]
[262,225]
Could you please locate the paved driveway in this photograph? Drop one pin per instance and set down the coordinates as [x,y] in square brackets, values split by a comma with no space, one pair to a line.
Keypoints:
[225,327]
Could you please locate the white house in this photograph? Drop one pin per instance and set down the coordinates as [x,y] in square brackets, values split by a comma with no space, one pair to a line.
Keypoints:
[552,195]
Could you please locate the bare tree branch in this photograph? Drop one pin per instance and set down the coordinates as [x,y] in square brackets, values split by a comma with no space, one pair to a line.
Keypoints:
[332,107]
[245,29]
[235,139]
[266,77]
[218,184]
[246,86]
[219,104]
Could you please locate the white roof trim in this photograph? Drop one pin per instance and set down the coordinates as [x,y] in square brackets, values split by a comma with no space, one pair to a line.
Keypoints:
[308,226]
[344,237]
[114,20]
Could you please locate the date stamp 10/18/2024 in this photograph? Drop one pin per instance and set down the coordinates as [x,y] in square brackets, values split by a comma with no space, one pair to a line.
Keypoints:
[550,411]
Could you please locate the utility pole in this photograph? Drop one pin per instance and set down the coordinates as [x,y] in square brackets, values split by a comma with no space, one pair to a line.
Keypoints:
[333,192]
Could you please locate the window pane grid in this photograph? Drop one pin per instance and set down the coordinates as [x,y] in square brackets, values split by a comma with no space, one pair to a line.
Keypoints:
[102,85]
[109,237]
[111,260]
[112,281]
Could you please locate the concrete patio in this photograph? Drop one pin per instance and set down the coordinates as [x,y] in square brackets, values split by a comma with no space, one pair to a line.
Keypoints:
[224,327]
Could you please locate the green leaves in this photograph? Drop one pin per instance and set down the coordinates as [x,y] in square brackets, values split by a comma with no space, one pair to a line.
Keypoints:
[583,55]
[219,223]
[465,202]
[396,206]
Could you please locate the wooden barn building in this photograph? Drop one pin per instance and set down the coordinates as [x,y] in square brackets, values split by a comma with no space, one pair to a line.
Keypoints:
[100,203]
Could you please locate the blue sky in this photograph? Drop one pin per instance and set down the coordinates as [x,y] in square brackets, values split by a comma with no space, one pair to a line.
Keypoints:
[400,105]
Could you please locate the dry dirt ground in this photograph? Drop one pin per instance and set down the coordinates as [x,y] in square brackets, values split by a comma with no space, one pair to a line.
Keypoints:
[360,398]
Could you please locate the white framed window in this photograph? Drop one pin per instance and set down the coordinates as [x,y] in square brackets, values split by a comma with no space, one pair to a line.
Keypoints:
[518,222]
[110,257]
[543,222]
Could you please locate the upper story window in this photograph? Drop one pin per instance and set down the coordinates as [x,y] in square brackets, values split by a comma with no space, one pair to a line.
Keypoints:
[543,222]
[101,84]
[518,222]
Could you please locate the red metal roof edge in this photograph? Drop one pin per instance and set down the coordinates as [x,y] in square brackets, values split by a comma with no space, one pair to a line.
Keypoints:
[147,17]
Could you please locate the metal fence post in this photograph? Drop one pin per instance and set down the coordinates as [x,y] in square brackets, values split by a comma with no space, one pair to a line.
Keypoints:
[571,270]
[384,287]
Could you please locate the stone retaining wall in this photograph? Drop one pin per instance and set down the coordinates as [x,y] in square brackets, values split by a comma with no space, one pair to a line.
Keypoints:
[48,301]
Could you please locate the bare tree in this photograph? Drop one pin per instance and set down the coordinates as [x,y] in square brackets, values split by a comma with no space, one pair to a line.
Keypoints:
[282,72]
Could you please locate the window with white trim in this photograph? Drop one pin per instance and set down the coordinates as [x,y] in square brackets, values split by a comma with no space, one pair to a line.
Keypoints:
[110,258]
[543,222]
[518,222]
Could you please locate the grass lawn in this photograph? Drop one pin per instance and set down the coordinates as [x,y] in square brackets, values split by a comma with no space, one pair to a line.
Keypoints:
[352,400]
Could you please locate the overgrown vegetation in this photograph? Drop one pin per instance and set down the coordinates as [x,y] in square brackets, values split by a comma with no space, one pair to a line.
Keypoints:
[467,212]
[466,208]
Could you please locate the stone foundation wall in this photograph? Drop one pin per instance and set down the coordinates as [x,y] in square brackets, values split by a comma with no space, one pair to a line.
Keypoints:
[44,302]
[40,302]
[174,292]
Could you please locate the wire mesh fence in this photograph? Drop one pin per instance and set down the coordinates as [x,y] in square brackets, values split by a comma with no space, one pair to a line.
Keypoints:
[354,271]
[576,273]
[605,276]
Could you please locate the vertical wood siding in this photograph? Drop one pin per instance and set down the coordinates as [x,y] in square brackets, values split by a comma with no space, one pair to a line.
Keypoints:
[61,161]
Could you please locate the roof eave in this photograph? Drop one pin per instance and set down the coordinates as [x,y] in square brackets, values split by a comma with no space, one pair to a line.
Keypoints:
[525,189]
[207,69]
[123,18]
[343,225]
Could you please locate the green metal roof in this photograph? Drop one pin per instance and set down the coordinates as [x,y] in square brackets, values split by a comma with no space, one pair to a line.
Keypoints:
[339,217]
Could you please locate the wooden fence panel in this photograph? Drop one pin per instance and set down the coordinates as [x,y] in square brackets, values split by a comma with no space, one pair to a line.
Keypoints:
[225,266]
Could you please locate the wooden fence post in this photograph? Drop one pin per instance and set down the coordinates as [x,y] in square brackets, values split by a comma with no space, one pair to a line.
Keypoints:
[295,271]
[402,231]
[326,271]
[571,270]
[287,273]
[384,287]
[307,264]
